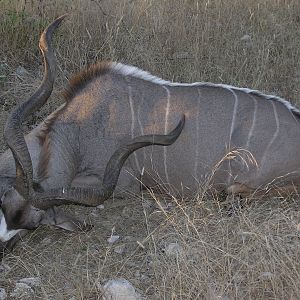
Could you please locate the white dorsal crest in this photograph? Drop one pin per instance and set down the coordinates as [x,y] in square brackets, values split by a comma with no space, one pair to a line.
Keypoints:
[128,70]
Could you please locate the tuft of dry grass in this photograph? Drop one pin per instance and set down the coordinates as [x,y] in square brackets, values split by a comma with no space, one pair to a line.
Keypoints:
[252,254]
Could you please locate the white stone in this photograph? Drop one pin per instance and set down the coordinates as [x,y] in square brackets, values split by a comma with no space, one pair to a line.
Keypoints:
[266,275]
[21,71]
[113,238]
[246,37]
[3,294]
[119,289]
[174,249]
[120,249]
[46,241]
[101,206]
[31,281]
[21,290]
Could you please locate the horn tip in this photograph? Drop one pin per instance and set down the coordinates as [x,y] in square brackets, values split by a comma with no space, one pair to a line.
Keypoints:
[47,34]
[58,21]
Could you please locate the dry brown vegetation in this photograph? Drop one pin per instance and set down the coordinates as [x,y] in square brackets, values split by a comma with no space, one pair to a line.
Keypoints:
[252,254]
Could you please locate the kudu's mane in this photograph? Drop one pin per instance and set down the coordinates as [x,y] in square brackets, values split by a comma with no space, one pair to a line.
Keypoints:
[85,76]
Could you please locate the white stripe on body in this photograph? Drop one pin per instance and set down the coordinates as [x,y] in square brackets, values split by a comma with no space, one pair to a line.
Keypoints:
[250,134]
[142,132]
[197,138]
[273,137]
[233,120]
[132,125]
[166,131]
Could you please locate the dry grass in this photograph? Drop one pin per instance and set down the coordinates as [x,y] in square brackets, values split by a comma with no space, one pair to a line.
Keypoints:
[253,254]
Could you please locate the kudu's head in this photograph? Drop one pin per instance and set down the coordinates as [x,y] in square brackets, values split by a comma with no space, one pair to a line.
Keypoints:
[17,211]
[23,205]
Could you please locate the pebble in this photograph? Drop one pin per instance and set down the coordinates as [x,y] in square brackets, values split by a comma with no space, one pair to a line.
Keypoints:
[46,241]
[21,291]
[21,71]
[266,275]
[31,281]
[119,289]
[173,249]
[246,37]
[3,295]
[113,238]
[120,249]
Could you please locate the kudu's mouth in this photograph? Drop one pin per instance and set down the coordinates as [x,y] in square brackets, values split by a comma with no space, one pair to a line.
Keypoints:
[6,234]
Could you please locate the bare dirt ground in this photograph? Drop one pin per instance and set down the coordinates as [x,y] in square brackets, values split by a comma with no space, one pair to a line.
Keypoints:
[252,253]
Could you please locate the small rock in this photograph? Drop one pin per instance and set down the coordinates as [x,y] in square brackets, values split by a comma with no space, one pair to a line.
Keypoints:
[246,37]
[46,241]
[21,71]
[247,40]
[21,291]
[31,281]
[298,227]
[94,213]
[4,268]
[174,249]
[3,66]
[3,294]
[101,206]
[120,249]
[119,289]
[266,275]
[113,238]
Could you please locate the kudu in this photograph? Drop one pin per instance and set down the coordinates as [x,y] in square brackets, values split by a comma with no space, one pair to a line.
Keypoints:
[63,159]
[239,140]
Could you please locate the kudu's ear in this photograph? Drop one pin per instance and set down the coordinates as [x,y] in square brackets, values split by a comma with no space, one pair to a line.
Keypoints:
[60,219]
